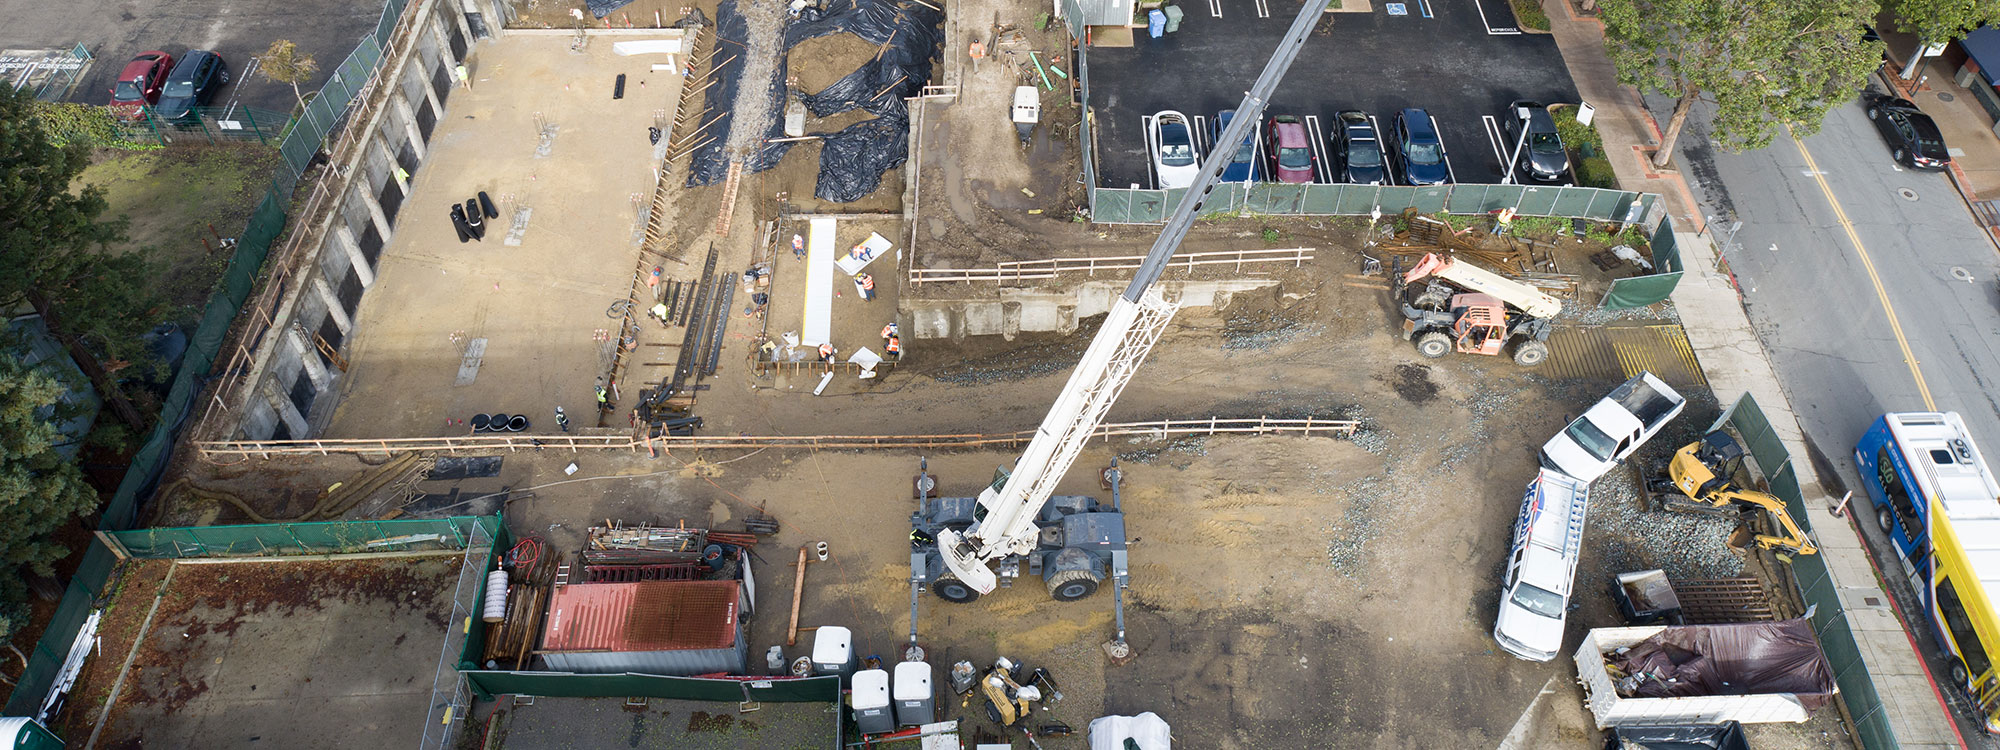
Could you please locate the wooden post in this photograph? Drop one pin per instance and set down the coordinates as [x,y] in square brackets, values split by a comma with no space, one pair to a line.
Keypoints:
[798,587]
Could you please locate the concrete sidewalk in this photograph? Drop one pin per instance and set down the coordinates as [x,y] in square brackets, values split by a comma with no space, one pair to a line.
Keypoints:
[1967,128]
[1734,361]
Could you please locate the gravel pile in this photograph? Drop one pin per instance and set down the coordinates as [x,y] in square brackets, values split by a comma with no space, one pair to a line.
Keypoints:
[1685,545]
[1660,312]
[1347,538]
[1265,329]
[753,110]
[1192,446]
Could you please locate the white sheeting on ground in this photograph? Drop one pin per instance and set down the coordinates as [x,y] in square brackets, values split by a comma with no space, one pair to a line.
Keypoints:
[852,261]
[647,47]
[817,327]
[1147,729]
[867,360]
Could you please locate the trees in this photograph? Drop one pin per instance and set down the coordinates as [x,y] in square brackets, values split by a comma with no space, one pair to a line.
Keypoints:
[1940,21]
[40,490]
[1766,63]
[283,63]
[54,246]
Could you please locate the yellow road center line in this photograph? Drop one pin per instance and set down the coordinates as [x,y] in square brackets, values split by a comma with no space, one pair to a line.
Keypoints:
[1909,358]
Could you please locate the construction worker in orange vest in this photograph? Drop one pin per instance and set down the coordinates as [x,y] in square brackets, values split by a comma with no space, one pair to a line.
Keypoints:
[866,284]
[894,347]
[826,353]
[889,331]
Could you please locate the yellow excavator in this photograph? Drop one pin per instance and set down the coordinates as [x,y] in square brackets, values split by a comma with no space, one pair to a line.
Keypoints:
[1703,471]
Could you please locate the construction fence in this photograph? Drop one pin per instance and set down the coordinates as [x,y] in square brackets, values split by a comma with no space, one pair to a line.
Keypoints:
[317,538]
[205,125]
[1809,575]
[301,142]
[489,684]
[1140,206]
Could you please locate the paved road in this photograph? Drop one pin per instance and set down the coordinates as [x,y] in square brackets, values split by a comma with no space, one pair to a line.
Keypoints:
[1818,308]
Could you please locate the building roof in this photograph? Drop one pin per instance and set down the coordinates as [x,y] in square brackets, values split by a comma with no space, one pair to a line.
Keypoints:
[642,616]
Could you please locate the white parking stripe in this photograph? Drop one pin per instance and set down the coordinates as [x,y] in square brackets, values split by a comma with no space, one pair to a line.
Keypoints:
[1201,144]
[1382,148]
[237,79]
[1322,156]
[1448,171]
[1263,9]
[1215,8]
[1496,140]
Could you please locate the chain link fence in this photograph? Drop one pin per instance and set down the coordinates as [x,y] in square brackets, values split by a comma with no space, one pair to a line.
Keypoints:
[1809,575]
[204,124]
[1138,206]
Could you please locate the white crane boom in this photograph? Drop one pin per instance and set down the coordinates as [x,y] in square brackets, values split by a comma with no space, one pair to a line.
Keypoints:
[1130,329]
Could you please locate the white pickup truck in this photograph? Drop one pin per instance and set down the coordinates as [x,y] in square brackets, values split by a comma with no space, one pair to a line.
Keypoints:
[1613,428]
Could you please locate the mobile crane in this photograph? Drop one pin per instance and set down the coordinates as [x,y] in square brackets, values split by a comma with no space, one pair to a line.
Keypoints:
[1076,542]
[1703,471]
[1491,311]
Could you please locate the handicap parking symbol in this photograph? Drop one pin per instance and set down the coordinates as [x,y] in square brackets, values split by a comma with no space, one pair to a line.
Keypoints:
[1398,9]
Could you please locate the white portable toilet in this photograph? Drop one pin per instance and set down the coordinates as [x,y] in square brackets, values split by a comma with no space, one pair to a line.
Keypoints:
[915,699]
[872,712]
[833,651]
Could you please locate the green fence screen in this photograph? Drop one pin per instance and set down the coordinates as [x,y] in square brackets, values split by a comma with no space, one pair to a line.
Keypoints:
[318,538]
[1640,291]
[1809,573]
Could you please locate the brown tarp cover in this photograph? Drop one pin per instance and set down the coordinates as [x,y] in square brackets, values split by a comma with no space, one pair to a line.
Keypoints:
[1740,659]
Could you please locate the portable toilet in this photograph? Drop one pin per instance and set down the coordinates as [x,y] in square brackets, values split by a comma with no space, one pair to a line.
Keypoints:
[872,712]
[915,703]
[833,651]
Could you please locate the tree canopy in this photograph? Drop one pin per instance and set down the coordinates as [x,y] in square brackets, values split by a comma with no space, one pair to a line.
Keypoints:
[40,489]
[55,242]
[1939,21]
[1767,64]
[283,63]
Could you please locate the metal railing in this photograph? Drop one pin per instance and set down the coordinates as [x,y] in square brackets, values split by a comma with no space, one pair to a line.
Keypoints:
[1047,268]
[216,450]
[449,700]
[210,124]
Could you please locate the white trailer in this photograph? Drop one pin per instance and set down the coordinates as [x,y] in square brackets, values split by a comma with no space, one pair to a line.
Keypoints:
[1612,710]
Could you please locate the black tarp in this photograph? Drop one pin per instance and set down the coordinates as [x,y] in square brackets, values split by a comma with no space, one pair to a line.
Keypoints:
[851,162]
[710,162]
[1726,736]
[1739,659]
[602,8]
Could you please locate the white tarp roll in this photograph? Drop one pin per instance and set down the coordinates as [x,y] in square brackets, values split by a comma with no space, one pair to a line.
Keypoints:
[647,47]
[817,327]
[1147,729]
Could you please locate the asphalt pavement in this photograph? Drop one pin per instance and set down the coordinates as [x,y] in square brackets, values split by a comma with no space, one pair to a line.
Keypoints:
[1799,261]
[1375,62]
[237,29]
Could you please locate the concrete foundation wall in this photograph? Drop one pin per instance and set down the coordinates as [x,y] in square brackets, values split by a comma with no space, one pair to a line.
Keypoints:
[288,393]
[1013,310]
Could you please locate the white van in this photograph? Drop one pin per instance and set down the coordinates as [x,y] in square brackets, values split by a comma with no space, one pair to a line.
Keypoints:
[1613,428]
[1541,566]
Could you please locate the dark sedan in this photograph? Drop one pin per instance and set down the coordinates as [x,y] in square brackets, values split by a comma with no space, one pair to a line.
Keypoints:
[1420,149]
[195,79]
[1243,166]
[1914,140]
[1532,133]
[1359,151]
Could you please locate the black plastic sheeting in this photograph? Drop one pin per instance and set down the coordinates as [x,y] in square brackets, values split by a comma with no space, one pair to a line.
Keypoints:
[851,162]
[602,8]
[1725,736]
[1740,659]
[710,163]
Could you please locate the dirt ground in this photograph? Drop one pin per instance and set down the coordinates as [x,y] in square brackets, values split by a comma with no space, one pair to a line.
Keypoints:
[561,723]
[303,654]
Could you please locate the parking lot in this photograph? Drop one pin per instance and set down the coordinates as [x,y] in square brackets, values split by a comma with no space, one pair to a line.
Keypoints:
[1373,61]
[239,30]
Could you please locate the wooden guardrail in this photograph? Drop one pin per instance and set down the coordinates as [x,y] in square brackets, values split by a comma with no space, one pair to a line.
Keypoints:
[1158,429]
[1047,268]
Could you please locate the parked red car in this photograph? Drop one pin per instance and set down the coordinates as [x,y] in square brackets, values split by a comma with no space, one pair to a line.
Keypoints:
[139,84]
[1290,149]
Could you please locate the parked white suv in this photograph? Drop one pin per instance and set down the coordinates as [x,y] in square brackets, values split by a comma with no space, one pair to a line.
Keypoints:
[1541,567]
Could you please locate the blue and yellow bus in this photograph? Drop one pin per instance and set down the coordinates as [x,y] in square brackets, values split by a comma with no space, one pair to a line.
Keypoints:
[1939,504]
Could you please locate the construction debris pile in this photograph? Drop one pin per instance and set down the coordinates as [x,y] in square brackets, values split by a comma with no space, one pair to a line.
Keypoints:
[1518,258]
[524,575]
[1737,659]
[622,554]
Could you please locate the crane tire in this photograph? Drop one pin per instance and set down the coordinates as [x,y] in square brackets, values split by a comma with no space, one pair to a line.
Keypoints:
[1071,585]
[1530,353]
[950,589]
[1434,344]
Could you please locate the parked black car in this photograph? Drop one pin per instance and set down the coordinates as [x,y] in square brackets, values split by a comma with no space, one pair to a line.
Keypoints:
[1542,157]
[1357,149]
[1420,150]
[194,81]
[1914,140]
